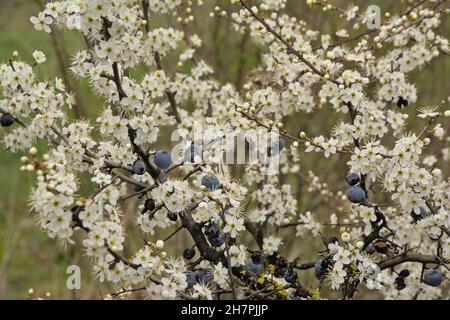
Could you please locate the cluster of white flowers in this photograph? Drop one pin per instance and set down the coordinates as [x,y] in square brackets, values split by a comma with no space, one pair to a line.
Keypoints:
[274,205]
[389,247]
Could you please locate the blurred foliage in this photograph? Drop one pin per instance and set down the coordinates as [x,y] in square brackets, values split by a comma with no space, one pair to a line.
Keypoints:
[29,259]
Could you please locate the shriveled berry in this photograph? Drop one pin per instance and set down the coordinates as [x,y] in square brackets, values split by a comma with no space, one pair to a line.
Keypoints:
[381,246]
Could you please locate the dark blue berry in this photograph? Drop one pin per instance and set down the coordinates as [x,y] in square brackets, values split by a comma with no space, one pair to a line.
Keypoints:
[217,241]
[319,270]
[211,182]
[352,178]
[433,277]
[256,268]
[6,120]
[370,248]
[290,276]
[422,214]
[356,194]
[139,167]
[189,253]
[163,159]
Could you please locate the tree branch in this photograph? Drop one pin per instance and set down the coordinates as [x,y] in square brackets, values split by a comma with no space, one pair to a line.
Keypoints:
[408,257]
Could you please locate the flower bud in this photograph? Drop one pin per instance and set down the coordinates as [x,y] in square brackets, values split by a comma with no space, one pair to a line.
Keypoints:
[345,236]
[159,244]
[436,172]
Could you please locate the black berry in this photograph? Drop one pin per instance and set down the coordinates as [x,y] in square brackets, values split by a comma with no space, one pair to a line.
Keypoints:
[149,205]
[404,273]
[290,276]
[172,216]
[401,103]
[281,263]
[212,231]
[400,283]
[189,253]
[257,257]
[6,120]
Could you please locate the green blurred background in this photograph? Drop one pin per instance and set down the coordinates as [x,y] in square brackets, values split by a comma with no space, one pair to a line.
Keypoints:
[29,259]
